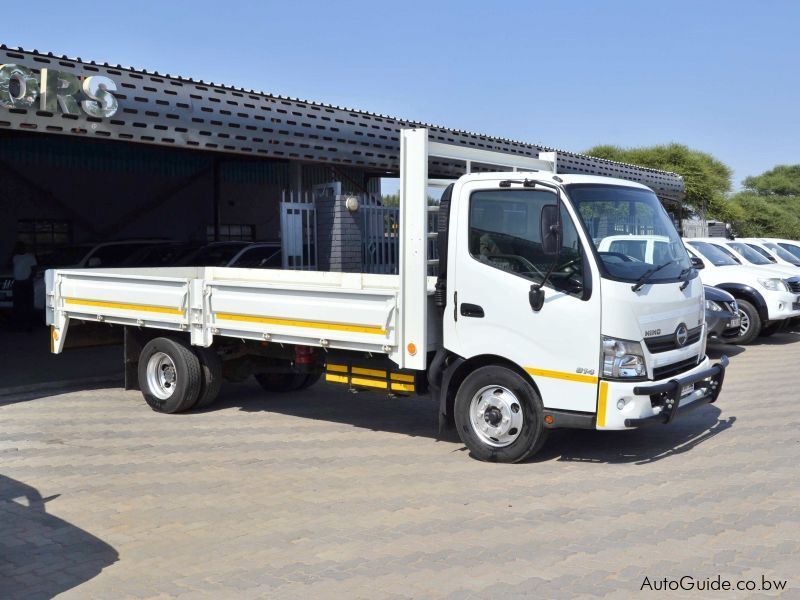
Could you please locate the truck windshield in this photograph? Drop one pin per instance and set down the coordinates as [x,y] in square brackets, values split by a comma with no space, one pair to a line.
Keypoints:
[750,255]
[783,254]
[65,256]
[795,250]
[714,254]
[631,232]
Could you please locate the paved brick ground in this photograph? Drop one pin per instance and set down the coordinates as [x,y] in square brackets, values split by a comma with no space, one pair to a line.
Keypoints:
[329,494]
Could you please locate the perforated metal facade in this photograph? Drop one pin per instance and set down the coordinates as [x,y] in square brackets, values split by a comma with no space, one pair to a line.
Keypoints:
[173,111]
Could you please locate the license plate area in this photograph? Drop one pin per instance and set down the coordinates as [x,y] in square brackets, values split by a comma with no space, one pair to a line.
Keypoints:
[735,322]
[687,389]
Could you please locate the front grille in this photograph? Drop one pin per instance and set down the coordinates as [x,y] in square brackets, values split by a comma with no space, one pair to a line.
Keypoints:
[674,369]
[664,343]
[794,285]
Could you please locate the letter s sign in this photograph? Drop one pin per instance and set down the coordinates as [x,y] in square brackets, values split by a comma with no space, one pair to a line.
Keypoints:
[101,102]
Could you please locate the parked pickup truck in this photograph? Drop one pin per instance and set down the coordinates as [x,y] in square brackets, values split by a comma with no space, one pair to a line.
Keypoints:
[765,297]
[528,326]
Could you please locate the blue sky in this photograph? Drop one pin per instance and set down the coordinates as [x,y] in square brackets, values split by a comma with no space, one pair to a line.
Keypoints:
[718,76]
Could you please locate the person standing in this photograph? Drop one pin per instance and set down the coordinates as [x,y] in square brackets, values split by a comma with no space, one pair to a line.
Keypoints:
[23,262]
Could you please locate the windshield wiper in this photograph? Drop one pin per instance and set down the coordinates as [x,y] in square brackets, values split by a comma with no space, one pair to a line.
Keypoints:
[684,273]
[647,275]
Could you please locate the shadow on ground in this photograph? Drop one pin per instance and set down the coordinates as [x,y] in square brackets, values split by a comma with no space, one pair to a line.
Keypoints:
[418,417]
[640,447]
[26,361]
[41,555]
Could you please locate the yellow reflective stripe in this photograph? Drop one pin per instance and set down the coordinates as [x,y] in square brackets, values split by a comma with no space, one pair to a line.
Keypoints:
[562,375]
[336,378]
[368,382]
[402,377]
[339,368]
[295,323]
[125,306]
[52,339]
[602,399]
[370,372]
[403,387]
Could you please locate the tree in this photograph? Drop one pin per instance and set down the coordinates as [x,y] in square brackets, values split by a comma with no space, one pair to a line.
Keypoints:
[766,216]
[783,180]
[707,179]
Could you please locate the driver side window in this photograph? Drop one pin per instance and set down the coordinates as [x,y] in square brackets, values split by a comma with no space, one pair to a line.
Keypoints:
[504,232]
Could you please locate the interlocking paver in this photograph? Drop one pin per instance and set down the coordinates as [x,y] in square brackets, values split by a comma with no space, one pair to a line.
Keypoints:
[329,494]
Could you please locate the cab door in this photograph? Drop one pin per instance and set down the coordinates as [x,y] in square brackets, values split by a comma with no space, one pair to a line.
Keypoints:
[497,257]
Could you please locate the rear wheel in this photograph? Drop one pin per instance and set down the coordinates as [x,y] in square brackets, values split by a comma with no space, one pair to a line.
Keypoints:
[281,382]
[750,325]
[310,380]
[211,368]
[169,375]
[499,415]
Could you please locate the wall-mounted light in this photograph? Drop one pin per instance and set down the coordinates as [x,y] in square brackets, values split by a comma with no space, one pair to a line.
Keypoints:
[351,203]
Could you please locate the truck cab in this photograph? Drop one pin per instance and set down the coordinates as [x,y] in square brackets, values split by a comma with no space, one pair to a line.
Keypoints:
[538,286]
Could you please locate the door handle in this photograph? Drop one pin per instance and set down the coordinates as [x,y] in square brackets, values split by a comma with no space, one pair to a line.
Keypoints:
[471,310]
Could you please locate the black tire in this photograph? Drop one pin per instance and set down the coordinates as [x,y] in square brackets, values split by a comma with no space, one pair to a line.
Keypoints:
[188,377]
[773,328]
[211,367]
[531,435]
[311,379]
[280,382]
[751,324]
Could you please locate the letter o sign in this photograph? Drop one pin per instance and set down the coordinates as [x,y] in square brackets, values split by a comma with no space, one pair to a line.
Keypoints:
[19,87]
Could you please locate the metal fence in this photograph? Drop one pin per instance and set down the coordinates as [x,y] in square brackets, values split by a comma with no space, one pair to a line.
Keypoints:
[298,232]
[381,237]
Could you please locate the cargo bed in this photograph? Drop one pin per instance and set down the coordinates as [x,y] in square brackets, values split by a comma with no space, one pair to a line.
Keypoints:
[350,311]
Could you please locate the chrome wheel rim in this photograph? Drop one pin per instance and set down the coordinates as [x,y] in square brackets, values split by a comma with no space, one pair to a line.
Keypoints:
[162,376]
[496,417]
[744,325]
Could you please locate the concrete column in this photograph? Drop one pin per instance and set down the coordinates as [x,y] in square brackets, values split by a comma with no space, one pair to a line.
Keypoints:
[296,178]
[339,235]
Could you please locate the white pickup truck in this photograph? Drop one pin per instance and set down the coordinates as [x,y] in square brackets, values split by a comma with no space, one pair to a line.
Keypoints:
[528,326]
[767,295]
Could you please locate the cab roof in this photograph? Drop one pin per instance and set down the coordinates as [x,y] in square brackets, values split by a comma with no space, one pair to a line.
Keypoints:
[548,177]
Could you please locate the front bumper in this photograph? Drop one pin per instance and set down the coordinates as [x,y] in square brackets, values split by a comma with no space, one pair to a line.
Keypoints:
[625,405]
[718,324]
[782,305]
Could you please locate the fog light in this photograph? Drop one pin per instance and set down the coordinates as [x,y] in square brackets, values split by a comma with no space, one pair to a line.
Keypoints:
[621,403]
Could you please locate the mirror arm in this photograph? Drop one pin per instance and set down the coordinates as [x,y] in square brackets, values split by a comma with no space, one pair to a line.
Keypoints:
[536,295]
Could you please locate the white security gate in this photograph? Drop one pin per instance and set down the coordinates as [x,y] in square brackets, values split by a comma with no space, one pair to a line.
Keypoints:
[298,232]
[381,238]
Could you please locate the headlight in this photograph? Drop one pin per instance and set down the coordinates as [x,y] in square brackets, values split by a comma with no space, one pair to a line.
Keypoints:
[622,358]
[713,306]
[776,285]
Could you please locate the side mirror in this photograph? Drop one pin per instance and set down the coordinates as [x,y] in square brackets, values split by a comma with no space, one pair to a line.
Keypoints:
[550,225]
[94,262]
[697,263]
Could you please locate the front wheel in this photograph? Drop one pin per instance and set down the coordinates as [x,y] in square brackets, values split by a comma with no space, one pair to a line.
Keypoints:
[773,328]
[499,415]
[750,325]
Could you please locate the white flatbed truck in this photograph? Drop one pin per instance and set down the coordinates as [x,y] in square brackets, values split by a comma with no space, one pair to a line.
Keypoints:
[526,328]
